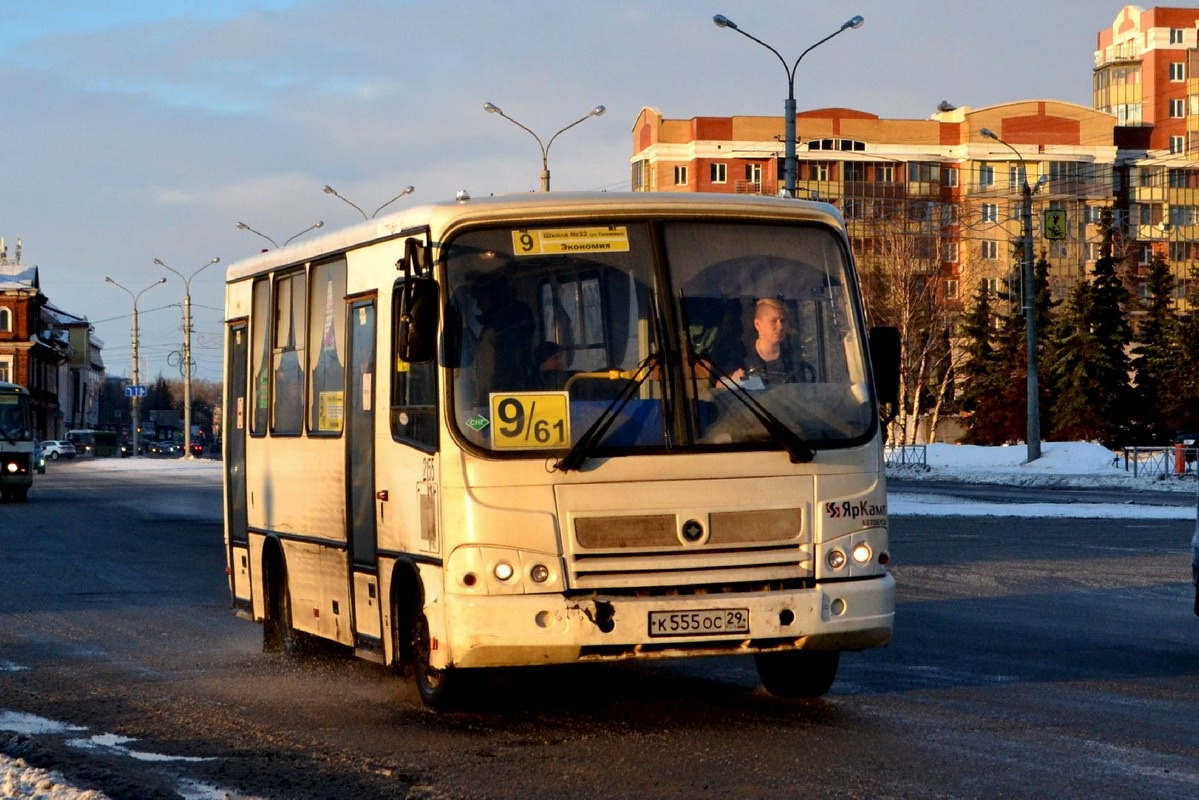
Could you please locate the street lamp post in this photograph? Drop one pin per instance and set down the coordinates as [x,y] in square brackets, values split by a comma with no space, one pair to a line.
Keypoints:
[491,108]
[241,226]
[187,349]
[137,400]
[1030,306]
[330,190]
[789,159]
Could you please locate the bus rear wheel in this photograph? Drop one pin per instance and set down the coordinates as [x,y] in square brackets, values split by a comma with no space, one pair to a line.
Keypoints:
[280,633]
[798,674]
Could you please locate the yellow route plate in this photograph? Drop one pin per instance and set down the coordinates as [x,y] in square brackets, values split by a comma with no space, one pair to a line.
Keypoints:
[530,420]
[531,242]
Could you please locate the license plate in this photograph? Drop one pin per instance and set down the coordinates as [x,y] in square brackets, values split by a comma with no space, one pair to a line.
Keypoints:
[704,622]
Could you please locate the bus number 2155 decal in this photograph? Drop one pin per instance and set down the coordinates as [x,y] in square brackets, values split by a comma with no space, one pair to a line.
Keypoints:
[530,421]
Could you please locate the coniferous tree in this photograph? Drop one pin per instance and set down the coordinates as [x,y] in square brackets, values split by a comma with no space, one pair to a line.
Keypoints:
[1181,398]
[1155,357]
[1045,305]
[1077,364]
[983,374]
[1109,323]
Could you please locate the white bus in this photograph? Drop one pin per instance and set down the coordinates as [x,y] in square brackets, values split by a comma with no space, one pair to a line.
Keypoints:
[529,430]
[16,443]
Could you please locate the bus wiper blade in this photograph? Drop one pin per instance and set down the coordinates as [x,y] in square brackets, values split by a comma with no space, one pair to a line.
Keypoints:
[796,447]
[8,436]
[578,453]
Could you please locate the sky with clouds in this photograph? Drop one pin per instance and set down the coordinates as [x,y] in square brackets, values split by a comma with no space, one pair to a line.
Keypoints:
[137,130]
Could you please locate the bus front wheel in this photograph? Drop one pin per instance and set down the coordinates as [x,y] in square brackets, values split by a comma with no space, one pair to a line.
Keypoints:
[438,688]
[798,673]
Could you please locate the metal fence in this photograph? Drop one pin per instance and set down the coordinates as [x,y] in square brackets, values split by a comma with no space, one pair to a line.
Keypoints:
[906,455]
[1159,462]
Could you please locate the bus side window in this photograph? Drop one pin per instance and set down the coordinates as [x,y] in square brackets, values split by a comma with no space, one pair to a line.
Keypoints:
[327,346]
[413,392]
[287,415]
[260,355]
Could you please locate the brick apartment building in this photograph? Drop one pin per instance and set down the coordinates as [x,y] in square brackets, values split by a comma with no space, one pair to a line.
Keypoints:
[1128,167]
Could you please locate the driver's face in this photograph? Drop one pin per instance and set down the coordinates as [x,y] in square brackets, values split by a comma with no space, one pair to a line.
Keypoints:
[770,324]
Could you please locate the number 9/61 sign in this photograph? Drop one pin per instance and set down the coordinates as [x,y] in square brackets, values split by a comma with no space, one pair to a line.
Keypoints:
[531,421]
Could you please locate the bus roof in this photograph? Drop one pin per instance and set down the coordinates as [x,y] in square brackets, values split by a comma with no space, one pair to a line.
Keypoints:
[546,206]
[12,388]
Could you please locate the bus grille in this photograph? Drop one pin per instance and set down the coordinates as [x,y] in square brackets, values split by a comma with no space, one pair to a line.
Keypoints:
[630,552]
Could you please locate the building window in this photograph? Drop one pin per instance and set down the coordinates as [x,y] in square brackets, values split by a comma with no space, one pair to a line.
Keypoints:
[990,212]
[949,252]
[680,175]
[6,373]
[1177,144]
[986,175]
[991,286]
[5,320]
[949,176]
[1177,108]
[990,250]
[719,173]
[1144,254]
[1093,251]
[1177,71]
[1015,176]
[1176,36]
[951,289]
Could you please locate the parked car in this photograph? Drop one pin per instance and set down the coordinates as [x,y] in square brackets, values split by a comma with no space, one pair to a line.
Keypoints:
[55,449]
[39,457]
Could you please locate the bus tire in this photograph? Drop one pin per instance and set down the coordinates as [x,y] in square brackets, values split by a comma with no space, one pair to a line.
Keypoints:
[798,674]
[438,688]
[278,632]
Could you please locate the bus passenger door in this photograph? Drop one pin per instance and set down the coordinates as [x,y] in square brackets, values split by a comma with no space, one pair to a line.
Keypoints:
[360,473]
[234,433]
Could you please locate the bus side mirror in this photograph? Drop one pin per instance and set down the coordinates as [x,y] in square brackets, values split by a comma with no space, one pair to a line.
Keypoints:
[884,359]
[416,338]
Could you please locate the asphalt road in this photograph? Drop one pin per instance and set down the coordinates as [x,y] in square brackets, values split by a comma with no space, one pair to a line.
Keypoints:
[1032,658]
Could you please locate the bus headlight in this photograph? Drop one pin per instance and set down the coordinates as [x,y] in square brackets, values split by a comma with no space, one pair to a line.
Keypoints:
[836,559]
[861,553]
[479,569]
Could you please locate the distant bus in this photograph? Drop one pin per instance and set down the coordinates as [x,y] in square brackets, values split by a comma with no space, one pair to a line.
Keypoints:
[16,443]
[84,441]
[524,430]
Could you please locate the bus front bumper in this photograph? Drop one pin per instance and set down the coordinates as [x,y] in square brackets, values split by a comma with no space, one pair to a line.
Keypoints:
[521,630]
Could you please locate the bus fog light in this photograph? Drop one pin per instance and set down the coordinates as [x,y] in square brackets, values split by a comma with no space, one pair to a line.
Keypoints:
[540,573]
[837,607]
[836,559]
[503,571]
[12,466]
[861,553]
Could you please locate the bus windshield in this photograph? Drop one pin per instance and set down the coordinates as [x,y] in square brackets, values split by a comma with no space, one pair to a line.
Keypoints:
[15,421]
[679,335]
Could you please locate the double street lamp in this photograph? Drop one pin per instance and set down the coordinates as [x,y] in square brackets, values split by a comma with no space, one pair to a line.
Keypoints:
[187,348]
[137,400]
[241,226]
[1028,277]
[491,108]
[789,160]
[407,191]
